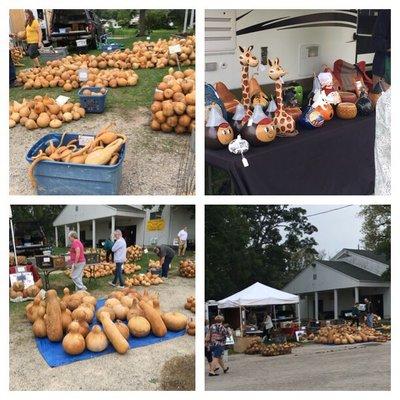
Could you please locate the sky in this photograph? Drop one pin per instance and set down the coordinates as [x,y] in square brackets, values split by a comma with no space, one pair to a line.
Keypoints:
[336,229]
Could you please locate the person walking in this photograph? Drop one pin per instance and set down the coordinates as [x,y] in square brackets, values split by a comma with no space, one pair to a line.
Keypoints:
[267,327]
[207,349]
[33,37]
[218,335]
[107,246]
[78,261]
[119,250]
[182,236]
[166,255]
[369,313]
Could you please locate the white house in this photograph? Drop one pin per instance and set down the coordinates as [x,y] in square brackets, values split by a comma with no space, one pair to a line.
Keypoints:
[95,223]
[328,288]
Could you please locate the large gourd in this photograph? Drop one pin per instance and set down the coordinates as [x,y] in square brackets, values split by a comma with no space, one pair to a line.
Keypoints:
[96,340]
[74,342]
[119,343]
[174,321]
[52,319]
[157,324]
[139,326]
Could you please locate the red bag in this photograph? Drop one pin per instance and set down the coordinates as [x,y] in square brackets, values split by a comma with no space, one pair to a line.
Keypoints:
[347,74]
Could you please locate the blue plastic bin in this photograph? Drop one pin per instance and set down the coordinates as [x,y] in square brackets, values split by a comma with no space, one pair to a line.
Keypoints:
[93,104]
[60,178]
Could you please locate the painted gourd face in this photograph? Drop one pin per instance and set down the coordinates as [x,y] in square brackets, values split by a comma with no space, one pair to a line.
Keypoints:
[326,111]
[311,118]
[265,131]
[225,134]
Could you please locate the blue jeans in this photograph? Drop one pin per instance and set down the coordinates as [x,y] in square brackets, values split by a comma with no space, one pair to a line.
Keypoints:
[118,274]
[12,74]
[217,351]
[370,320]
[165,266]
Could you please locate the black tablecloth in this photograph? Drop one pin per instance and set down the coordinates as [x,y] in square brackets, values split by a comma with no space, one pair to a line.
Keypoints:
[337,159]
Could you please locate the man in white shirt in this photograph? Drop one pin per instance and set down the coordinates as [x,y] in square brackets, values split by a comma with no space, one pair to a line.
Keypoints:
[182,236]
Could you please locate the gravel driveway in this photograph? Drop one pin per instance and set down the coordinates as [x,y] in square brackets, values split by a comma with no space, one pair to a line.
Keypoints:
[153,162]
[312,367]
[138,369]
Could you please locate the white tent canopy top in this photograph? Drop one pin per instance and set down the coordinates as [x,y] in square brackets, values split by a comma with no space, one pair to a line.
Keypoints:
[258,295]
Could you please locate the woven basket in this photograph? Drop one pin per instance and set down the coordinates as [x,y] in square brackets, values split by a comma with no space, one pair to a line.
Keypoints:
[346,110]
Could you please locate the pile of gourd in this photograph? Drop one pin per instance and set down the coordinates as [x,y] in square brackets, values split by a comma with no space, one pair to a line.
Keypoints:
[191,327]
[134,253]
[187,268]
[147,279]
[347,334]
[18,290]
[268,350]
[21,260]
[101,252]
[154,264]
[43,112]
[191,304]
[174,106]
[96,270]
[103,150]
[64,74]
[131,268]
[17,54]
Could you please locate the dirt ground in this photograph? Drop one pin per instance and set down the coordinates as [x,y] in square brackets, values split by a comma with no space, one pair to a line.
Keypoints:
[144,368]
[153,162]
[312,367]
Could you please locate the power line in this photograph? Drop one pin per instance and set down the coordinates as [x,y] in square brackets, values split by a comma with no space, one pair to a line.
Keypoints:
[328,211]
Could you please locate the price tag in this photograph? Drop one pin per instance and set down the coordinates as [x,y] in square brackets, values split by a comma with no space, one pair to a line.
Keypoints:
[61,100]
[46,259]
[83,75]
[83,140]
[245,162]
[176,48]
[21,269]
[250,121]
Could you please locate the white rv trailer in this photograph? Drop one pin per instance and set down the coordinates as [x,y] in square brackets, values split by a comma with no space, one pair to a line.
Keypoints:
[304,40]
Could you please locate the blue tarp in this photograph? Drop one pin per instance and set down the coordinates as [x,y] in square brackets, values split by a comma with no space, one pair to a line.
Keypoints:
[54,354]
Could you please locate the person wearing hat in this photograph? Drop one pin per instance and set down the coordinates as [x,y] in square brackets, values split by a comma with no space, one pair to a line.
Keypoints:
[166,255]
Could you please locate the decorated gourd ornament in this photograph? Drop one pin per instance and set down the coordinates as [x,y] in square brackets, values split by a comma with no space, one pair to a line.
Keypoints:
[284,123]
[311,118]
[257,96]
[218,132]
[237,119]
[321,104]
[259,129]
[364,104]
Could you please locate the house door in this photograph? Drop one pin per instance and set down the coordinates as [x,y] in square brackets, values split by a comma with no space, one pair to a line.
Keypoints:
[129,234]
[377,303]
[82,236]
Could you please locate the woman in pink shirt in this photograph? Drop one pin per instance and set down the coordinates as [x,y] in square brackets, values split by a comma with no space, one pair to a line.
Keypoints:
[77,258]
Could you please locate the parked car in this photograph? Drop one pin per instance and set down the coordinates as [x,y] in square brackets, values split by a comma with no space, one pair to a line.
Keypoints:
[68,26]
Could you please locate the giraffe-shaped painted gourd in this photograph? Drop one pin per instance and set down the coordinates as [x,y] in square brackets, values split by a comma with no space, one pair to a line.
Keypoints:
[247,59]
[284,123]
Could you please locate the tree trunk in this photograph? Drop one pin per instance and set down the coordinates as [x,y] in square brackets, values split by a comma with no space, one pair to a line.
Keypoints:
[142,23]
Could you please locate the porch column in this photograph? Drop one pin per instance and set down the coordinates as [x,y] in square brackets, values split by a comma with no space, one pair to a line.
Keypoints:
[335,304]
[112,225]
[78,230]
[94,233]
[66,235]
[316,305]
[56,235]
[356,295]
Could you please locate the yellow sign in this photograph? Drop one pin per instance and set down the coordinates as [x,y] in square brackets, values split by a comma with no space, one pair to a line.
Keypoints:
[155,224]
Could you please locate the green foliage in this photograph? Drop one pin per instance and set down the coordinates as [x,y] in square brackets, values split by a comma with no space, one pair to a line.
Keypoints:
[44,215]
[376,230]
[246,244]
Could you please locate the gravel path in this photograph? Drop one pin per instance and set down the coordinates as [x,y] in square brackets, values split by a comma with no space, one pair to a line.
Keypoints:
[139,369]
[152,162]
[312,367]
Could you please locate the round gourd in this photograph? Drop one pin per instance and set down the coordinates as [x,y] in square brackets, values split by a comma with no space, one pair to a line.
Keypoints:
[139,326]
[55,123]
[174,321]
[123,328]
[96,340]
[112,302]
[43,120]
[120,311]
[39,327]
[74,342]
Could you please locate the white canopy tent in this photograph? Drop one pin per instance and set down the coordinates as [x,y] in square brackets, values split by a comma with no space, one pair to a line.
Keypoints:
[259,295]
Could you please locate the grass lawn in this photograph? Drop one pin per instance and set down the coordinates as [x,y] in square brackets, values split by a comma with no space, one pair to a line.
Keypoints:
[118,99]
[99,286]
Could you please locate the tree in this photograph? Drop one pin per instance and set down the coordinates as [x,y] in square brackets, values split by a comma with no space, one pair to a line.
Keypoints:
[142,23]
[376,230]
[245,244]
[44,215]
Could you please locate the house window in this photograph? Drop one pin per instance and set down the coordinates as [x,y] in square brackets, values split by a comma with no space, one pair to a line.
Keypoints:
[76,208]
[314,277]
[155,215]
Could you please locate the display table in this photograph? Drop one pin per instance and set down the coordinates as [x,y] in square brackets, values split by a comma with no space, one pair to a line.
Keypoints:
[337,159]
